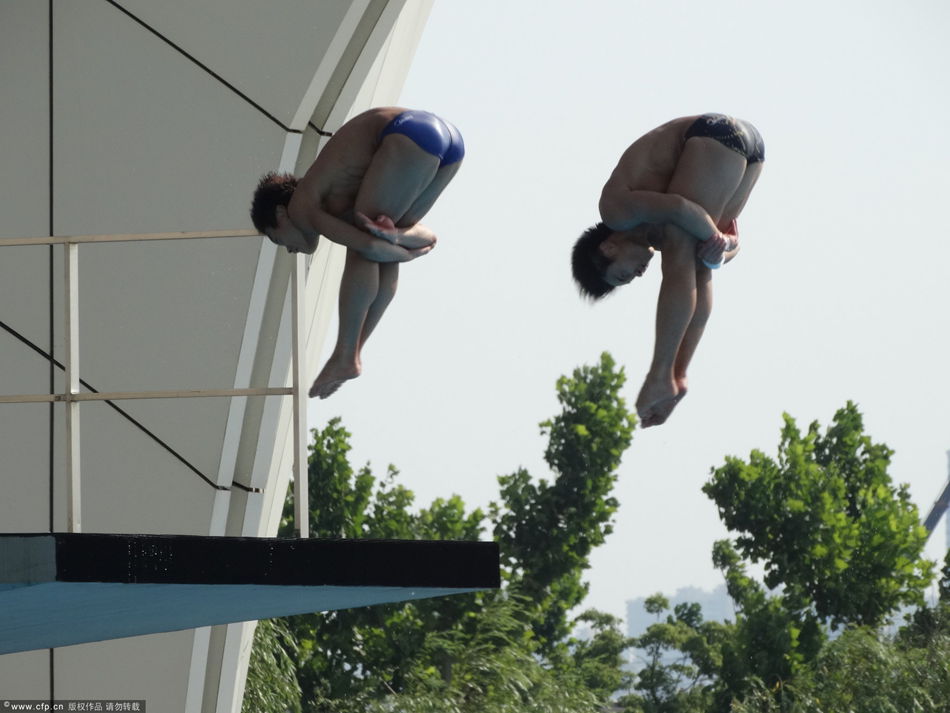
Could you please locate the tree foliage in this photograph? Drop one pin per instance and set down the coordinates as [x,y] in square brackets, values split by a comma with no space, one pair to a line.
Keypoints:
[597,659]
[271,685]
[840,545]
[494,669]
[827,522]
[772,638]
[863,671]
[547,529]
[870,671]
[682,655]
[487,651]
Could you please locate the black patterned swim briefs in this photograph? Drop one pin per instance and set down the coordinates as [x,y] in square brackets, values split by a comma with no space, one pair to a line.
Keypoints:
[736,134]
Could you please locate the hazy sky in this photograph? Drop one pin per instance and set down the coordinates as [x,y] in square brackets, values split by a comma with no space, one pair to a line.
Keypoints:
[839,292]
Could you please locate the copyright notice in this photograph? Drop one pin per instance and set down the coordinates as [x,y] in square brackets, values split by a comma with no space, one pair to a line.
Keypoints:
[77,706]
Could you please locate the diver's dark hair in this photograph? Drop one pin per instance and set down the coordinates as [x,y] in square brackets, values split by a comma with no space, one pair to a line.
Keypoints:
[274,189]
[589,264]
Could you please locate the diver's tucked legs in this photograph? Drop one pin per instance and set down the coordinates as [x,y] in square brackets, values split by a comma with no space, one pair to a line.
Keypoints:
[741,196]
[709,174]
[427,198]
[675,309]
[399,173]
[359,289]
[388,281]
[694,332]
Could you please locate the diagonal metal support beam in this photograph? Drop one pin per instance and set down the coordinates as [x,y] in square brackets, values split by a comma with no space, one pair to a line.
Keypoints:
[940,506]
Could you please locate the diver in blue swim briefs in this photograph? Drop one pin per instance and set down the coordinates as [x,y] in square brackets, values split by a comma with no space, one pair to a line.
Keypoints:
[677,190]
[368,188]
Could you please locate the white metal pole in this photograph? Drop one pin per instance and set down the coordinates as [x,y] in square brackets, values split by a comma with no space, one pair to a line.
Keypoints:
[73,481]
[298,360]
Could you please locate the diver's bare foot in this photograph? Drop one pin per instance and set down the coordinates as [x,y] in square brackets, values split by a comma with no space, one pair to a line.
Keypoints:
[332,376]
[681,388]
[656,401]
[322,390]
[657,414]
[662,410]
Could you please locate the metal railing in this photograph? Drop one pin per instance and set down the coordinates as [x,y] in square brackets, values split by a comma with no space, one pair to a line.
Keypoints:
[72,396]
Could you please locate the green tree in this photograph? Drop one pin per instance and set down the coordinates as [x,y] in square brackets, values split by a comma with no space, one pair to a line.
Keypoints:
[863,671]
[827,522]
[869,671]
[271,685]
[926,624]
[547,529]
[597,659]
[682,655]
[840,544]
[489,651]
[497,669]
[771,640]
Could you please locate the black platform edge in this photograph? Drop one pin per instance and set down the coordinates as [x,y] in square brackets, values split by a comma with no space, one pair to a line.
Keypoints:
[190,559]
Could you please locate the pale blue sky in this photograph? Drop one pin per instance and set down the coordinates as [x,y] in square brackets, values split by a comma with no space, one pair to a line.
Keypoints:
[839,292]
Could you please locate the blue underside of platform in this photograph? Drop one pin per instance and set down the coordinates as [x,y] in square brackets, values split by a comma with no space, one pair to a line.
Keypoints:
[65,613]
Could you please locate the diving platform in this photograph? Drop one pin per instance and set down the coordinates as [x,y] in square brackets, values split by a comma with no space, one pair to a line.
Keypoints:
[59,589]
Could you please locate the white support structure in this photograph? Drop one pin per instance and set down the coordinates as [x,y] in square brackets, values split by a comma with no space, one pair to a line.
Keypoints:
[213,316]
[299,359]
[73,476]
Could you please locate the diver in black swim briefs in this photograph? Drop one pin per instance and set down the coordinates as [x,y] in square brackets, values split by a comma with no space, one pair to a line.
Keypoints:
[368,188]
[736,134]
[677,190]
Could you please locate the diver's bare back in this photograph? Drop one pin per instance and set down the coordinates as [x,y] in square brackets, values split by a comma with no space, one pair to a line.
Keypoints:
[334,179]
[649,162]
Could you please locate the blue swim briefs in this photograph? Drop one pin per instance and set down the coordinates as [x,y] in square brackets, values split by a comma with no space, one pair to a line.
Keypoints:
[732,133]
[430,133]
